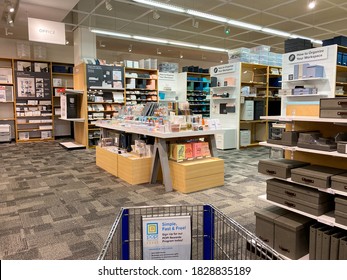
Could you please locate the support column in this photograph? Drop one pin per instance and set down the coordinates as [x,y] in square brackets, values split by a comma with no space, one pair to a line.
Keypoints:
[84,44]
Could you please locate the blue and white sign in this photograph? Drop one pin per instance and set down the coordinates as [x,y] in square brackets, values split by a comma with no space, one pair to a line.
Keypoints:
[167,238]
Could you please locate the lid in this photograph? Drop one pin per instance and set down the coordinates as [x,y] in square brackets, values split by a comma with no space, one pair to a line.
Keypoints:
[285,163]
[341,200]
[317,171]
[342,178]
[295,187]
[293,221]
[271,213]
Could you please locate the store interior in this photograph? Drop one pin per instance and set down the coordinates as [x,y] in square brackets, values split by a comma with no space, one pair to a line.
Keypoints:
[145,104]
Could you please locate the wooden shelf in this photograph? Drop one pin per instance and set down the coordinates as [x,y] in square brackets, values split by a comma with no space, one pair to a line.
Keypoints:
[62,74]
[33,129]
[106,88]
[35,140]
[253,121]
[7,119]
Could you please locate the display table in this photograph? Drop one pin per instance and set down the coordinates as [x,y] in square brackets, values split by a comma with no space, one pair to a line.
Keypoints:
[160,153]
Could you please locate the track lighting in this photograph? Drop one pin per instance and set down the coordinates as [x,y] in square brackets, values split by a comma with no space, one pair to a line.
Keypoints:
[156,15]
[9,19]
[181,55]
[108,5]
[130,49]
[311,4]
[227,30]
[158,51]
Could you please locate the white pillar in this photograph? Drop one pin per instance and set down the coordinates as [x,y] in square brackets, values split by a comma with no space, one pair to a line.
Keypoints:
[84,45]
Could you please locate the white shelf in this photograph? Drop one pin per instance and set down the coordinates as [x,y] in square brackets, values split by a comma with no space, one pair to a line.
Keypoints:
[305,95]
[73,120]
[298,149]
[303,119]
[73,91]
[222,87]
[327,218]
[106,88]
[305,79]
[223,98]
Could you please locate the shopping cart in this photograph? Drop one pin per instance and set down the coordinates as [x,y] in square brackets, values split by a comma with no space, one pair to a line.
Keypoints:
[214,236]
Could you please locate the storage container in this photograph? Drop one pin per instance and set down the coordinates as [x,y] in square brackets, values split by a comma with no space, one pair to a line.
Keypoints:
[280,168]
[264,223]
[333,107]
[301,198]
[339,182]
[292,235]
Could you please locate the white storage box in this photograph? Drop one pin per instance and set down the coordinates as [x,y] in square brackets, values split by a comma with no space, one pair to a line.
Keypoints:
[245,137]
[247,110]
[5,133]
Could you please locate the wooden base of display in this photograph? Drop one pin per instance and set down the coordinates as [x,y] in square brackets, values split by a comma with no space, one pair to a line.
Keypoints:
[107,160]
[197,175]
[134,170]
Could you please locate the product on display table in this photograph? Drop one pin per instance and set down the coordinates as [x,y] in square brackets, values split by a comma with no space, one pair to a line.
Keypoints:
[304,199]
[280,168]
[315,141]
[315,175]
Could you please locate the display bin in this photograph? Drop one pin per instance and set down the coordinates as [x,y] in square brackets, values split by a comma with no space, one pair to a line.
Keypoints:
[214,236]
[134,170]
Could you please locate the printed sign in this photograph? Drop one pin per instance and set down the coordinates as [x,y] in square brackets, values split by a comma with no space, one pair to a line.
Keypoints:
[222,69]
[306,55]
[166,238]
[46,31]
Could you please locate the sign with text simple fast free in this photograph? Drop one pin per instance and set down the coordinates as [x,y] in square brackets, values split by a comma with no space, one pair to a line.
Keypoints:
[167,238]
[46,31]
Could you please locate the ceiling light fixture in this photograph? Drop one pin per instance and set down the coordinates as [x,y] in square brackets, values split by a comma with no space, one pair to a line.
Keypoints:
[158,51]
[67,42]
[130,48]
[9,19]
[227,30]
[181,55]
[108,5]
[195,23]
[221,19]
[155,40]
[311,4]
[156,15]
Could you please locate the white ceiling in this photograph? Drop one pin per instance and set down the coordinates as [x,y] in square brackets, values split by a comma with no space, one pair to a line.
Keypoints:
[327,20]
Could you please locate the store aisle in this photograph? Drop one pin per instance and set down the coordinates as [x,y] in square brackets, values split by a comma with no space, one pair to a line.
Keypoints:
[57,204]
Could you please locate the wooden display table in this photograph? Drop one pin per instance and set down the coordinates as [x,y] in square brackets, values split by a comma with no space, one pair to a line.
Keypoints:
[160,154]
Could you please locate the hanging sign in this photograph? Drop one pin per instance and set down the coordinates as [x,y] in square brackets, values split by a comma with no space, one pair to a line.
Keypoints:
[46,31]
[167,238]
[222,69]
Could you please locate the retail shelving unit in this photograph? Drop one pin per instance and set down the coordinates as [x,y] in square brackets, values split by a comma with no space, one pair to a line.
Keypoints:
[7,102]
[197,89]
[301,113]
[141,85]
[34,112]
[62,78]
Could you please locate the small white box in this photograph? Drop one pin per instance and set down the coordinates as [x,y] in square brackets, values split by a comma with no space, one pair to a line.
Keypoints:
[247,110]
[245,137]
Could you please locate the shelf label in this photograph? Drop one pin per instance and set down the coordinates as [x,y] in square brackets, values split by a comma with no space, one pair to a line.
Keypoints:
[306,55]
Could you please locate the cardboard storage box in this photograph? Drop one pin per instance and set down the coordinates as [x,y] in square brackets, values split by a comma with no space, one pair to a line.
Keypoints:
[315,141]
[339,182]
[280,168]
[301,198]
[292,235]
[264,223]
[245,137]
[333,107]
[196,175]
[286,138]
[342,147]
[341,210]
[134,170]
[315,175]
[107,160]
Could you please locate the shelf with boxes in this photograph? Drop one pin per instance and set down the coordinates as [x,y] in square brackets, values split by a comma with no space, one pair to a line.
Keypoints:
[141,85]
[197,89]
[34,111]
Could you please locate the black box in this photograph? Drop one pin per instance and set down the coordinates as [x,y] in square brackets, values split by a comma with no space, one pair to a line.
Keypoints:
[259,109]
[296,44]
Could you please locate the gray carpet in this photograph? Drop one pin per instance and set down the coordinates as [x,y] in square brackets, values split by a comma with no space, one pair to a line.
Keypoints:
[57,204]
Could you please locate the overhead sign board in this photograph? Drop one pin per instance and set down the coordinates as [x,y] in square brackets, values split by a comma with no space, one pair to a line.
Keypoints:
[46,31]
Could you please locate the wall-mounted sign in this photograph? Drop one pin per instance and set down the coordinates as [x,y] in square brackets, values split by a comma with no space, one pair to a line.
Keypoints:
[167,238]
[306,55]
[46,31]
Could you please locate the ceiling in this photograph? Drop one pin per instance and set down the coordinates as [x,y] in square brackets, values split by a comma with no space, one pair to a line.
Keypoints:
[327,20]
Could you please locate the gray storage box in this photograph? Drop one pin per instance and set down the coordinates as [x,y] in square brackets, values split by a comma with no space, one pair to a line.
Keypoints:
[292,235]
[339,182]
[264,223]
[280,168]
[315,175]
[287,138]
[341,204]
[301,198]
[342,147]
[340,218]
[315,141]
[333,107]
[335,244]
[343,249]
